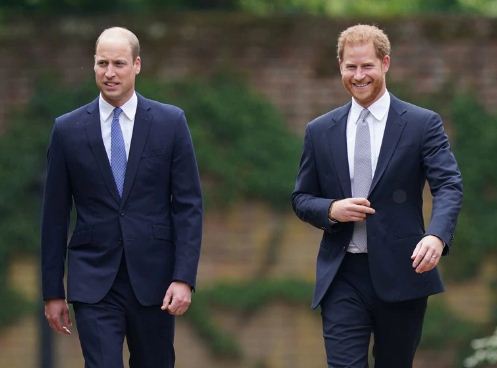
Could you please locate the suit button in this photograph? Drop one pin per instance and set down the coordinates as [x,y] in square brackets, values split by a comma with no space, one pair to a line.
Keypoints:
[122,214]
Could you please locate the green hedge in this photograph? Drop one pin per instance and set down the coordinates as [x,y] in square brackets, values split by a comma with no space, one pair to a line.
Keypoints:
[442,328]
[247,298]
[244,149]
[475,146]
[263,7]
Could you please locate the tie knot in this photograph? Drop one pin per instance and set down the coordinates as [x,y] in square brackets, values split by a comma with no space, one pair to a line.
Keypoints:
[117,112]
[364,114]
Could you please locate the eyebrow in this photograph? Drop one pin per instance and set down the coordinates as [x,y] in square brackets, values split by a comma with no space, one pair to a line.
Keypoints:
[118,60]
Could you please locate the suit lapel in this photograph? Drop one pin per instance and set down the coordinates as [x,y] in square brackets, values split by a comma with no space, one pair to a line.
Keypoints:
[140,133]
[94,134]
[393,130]
[336,142]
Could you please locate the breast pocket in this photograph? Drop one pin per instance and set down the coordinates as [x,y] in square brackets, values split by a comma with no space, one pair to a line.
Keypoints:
[155,154]
[154,165]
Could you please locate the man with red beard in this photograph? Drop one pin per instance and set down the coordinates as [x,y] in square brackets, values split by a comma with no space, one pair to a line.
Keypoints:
[361,179]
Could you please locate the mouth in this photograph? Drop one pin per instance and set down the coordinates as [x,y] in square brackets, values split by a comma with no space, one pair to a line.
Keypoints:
[111,84]
[361,85]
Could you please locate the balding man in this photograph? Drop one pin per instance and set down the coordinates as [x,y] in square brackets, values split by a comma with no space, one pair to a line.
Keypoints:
[128,165]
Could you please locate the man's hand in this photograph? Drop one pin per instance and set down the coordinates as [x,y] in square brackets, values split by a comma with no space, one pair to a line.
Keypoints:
[57,315]
[177,299]
[427,253]
[350,209]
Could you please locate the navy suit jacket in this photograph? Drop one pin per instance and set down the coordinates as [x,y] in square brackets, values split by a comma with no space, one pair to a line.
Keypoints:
[158,221]
[414,149]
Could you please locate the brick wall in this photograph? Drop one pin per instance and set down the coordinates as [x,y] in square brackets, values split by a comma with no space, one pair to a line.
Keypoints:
[290,60]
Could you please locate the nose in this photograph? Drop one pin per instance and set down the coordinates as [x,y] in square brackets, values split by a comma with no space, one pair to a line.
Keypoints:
[109,71]
[359,74]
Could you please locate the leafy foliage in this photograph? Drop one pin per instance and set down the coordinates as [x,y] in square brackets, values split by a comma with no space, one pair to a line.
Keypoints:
[484,352]
[264,7]
[21,163]
[443,328]
[476,134]
[245,297]
[78,6]
[243,147]
[14,306]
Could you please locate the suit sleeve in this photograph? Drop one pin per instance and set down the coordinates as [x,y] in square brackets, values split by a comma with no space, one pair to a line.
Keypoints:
[444,179]
[186,206]
[307,200]
[57,202]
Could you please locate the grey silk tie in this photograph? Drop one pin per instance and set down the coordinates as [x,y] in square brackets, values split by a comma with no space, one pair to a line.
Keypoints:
[363,175]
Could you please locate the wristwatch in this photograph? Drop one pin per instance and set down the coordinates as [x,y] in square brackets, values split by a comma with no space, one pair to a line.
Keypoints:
[331,220]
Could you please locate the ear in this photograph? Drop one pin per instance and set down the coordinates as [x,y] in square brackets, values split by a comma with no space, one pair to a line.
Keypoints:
[386,63]
[138,65]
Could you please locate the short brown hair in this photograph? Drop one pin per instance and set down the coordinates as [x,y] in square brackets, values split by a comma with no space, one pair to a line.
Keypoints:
[363,33]
[130,36]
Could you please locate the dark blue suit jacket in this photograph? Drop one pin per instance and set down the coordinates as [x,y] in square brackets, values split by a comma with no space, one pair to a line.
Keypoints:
[158,221]
[415,148]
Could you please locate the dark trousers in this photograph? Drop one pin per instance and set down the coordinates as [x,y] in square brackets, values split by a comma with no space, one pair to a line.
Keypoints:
[351,312]
[103,326]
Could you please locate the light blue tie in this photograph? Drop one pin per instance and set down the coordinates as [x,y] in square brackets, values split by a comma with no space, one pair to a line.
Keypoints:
[363,176]
[118,158]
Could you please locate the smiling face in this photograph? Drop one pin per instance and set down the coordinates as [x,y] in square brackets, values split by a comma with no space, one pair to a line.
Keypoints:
[363,72]
[115,69]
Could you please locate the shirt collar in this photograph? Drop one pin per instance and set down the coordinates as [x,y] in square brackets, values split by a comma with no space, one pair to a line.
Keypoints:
[129,108]
[378,109]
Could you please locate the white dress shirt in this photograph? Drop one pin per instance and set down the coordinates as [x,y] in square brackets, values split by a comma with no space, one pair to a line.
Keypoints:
[376,120]
[126,120]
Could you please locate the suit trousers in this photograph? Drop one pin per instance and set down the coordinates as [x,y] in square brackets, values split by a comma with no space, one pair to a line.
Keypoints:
[102,327]
[352,312]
